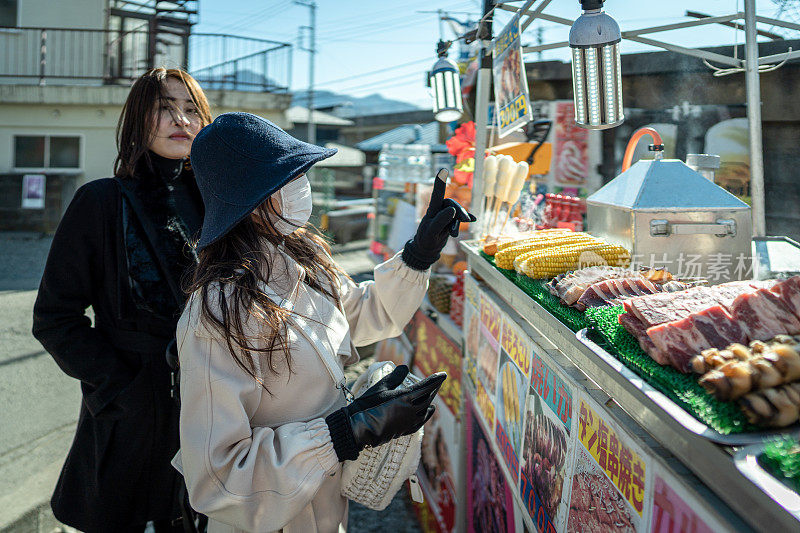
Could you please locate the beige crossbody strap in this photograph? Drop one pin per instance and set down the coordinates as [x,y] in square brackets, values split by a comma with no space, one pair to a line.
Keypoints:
[307,331]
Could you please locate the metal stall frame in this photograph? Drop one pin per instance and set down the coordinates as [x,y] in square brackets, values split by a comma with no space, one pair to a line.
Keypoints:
[749,65]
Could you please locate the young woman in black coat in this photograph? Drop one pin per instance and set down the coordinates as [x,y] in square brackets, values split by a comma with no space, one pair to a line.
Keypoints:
[117,476]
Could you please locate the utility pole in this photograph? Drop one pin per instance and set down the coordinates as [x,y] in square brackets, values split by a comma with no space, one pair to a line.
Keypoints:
[312,50]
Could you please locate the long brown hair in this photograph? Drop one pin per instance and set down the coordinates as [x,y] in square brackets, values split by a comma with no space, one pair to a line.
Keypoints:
[136,126]
[228,274]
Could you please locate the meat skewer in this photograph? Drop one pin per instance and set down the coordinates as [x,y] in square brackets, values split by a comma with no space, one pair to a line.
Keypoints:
[778,364]
[775,407]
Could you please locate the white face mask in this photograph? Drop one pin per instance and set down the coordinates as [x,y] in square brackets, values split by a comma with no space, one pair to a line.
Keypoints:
[295,202]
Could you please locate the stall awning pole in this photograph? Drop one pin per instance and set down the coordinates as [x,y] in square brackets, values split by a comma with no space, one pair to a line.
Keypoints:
[754,119]
[481,117]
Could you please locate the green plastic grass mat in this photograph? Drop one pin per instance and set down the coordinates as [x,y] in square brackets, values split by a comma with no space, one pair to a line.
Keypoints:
[781,458]
[724,417]
[537,289]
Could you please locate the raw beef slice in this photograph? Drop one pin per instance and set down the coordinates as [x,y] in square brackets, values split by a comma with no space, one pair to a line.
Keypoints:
[610,291]
[635,327]
[664,307]
[680,340]
[764,314]
[789,291]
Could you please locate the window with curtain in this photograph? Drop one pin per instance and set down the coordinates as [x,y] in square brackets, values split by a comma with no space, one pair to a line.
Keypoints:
[8,12]
[42,151]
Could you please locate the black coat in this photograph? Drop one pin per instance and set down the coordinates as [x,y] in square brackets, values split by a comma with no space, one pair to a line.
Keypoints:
[118,469]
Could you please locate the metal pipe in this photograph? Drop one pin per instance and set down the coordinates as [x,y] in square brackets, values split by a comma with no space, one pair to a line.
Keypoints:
[754,119]
[481,127]
[778,22]
[688,24]
[533,14]
[482,96]
[784,56]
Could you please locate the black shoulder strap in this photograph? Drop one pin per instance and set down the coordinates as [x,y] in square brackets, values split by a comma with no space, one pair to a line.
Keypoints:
[152,239]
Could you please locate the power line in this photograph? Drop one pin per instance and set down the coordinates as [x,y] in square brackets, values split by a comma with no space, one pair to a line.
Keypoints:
[252,18]
[370,14]
[356,30]
[374,25]
[371,72]
[378,83]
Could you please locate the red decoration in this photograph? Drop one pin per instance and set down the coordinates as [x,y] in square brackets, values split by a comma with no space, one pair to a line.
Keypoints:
[462,145]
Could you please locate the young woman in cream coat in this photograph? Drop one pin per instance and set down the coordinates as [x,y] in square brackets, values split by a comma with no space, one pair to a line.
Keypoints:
[264,429]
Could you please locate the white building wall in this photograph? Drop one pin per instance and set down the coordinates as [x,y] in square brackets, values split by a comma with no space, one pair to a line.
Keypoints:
[93,116]
[82,14]
[94,124]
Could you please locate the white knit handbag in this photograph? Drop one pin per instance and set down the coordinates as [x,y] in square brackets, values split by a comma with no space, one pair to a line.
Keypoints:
[375,477]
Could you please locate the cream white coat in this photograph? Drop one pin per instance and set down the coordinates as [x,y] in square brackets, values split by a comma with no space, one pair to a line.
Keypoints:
[259,461]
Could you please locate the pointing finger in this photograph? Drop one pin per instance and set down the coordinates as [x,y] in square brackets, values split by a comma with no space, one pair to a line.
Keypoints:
[437,195]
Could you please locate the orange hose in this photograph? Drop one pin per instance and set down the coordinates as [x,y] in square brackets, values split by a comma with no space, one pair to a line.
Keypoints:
[638,134]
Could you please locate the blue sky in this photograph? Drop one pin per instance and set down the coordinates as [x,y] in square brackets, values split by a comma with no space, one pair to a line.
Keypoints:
[356,37]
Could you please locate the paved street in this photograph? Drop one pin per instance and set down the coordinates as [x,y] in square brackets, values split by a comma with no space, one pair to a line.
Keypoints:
[40,403]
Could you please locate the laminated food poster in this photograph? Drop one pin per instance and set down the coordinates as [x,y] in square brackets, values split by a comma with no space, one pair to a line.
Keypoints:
[512,386]
[471,328]
[490,506]
[488,357]
[438,472]
[671,512]
[549,445]
[570,166]
[510,401]
[612,480]
[510,81]
[437,353]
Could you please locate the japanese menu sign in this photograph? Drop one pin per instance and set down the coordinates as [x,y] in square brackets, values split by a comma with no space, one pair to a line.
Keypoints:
[436,353]
[510,82]
[610,484]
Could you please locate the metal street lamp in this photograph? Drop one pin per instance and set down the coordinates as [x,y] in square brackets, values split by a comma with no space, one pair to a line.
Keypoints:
[444,80]
[596,73]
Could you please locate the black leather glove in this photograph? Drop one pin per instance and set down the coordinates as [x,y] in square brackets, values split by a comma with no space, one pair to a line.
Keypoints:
[441,219]
[383,413]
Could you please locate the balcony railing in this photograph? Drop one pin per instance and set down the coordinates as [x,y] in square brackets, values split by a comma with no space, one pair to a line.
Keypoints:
[57,56]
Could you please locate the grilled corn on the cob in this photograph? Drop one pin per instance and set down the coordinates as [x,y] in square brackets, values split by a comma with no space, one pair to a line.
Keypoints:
[504,258]
[551,262]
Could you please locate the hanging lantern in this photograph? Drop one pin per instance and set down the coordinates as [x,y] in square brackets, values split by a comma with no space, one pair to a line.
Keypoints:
[444,80]
[596,74]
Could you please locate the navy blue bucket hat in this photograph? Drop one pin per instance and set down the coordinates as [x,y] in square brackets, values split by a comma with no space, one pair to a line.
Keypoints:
[239,160]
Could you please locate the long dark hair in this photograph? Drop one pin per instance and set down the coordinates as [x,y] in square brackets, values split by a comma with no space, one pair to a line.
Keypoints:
[137,121]
[228,274]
